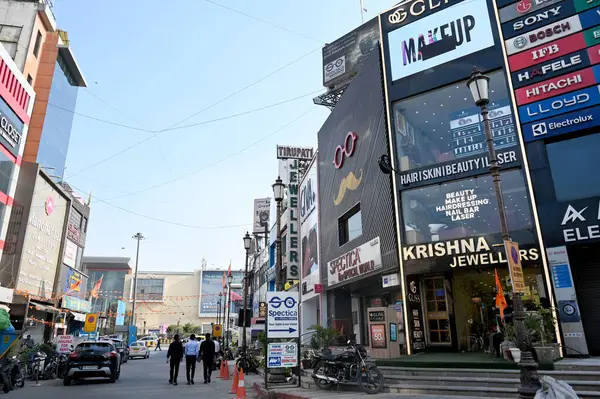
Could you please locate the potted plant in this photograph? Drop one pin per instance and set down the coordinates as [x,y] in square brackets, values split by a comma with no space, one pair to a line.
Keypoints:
[306,358]
[323,337]
[509,332]
[540,325]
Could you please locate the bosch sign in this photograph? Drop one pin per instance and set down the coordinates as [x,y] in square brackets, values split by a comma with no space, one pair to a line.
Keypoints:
[538,19]
[562,124]
[561,104]
[543,35]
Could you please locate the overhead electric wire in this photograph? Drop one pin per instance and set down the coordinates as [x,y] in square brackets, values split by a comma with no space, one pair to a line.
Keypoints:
[263,21]
[216,162]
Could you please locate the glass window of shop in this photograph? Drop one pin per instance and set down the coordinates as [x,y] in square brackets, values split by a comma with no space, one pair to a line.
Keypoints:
[56,132]
[575,157]
[445,125]
[464,208]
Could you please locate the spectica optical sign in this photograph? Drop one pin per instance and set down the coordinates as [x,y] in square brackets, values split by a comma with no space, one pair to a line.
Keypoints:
[560,104]
[538,19]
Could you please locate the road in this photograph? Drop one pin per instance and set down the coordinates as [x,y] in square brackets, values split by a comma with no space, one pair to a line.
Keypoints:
[139,377]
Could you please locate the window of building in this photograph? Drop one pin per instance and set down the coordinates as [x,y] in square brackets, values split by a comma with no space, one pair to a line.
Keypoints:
[575,157]
[9,36]
[150,289]
[350,225]
[75,218]
[466,208]
[38,44]
[29,79]
[84,226]
[444,125]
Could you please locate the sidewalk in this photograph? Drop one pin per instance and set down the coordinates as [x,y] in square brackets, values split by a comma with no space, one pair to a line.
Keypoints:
[256,383]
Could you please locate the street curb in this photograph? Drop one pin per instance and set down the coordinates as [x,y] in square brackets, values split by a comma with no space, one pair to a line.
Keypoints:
[265,393]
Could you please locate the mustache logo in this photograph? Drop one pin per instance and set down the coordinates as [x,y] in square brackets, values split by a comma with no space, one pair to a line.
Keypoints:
[349,182]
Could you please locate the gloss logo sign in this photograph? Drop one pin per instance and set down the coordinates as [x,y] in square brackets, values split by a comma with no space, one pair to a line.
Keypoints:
[547,52]
[524,7]
[563,124]
[590,18]
[550,69]
[560,104]
[447,35]
[543,35]
[539,18]
[553,87]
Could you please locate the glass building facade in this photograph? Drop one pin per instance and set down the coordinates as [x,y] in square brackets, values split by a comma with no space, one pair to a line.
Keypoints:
[56,132]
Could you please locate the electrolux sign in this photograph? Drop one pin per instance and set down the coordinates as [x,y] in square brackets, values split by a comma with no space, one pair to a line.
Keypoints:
[540,18]
[560,104]
[447,35]
[562,124]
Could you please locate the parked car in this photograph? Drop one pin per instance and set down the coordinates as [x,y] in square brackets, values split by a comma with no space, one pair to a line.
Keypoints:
[93,359]
[122,349]
[139,349]
[148,341]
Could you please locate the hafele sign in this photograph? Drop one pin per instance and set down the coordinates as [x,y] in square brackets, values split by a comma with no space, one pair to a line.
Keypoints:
[292,152]
[353,264]
[456,167]
[472,251]
[293,228]
[581,223]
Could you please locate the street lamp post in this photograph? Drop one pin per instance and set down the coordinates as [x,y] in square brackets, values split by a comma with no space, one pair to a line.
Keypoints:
[278,193]
[224,306]
[219,309]
[478,84]
[228,302]
[139,237]
[247,243]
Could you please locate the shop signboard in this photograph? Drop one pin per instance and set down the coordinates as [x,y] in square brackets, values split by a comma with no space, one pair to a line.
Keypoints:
[293,152]
[464,29]
[292,266]
[283,314]
[560,104]
[262,309]
[75,282]
[571,222]
[70,255]
[283,354]
[354,264]
[42,244]
[11,127]
[343,58]
[121,310]
[309,252]
[64,343]
[562,124]
[211,284]
[545,34]
[547,52]
[262,211]
[378,338]
[590,18]
[415,314]
[378,315]
[76,304]
[523,8]
[539,18]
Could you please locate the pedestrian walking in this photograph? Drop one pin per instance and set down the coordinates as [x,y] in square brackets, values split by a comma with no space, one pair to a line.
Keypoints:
[191,357]
[207,353]
[158,346]
[175,354]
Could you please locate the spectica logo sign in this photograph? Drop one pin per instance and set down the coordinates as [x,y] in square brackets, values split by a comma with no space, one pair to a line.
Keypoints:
[547,52]
[560,104]
[543,35]
[582,119]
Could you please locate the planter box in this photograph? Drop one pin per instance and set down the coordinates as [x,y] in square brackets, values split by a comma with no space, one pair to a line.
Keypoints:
[545,354]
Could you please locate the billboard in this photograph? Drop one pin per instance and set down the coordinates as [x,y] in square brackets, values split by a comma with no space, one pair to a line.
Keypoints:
[211,284]
[75,282]
[42,242]
[309,252]
[343,58]
[260,217]
[120,317]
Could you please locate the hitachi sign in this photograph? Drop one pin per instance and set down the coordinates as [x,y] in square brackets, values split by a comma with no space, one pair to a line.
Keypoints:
[550,67]
[548,87]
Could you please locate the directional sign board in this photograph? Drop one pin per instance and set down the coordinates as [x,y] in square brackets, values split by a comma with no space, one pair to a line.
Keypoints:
[282,315]
[283,355]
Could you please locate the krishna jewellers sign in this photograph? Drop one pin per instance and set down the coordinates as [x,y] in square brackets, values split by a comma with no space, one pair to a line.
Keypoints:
[473,251]
[356,263]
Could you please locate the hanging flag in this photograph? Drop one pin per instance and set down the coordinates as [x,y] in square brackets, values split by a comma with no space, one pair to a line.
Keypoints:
[223,282]
[229,269]
[500,299]
[74,287]
[96,289]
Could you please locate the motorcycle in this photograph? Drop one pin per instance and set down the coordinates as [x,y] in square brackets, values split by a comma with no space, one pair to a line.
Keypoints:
[16,372]
[5,376]
[348,367]
[247,362]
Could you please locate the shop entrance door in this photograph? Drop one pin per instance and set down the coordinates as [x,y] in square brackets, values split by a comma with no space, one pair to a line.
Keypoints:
[437,315]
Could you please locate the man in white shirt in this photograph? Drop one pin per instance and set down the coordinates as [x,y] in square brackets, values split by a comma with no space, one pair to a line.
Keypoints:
[191,357]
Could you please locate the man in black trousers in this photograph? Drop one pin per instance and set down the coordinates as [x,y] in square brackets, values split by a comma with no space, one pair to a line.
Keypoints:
[207,353]
[175,353]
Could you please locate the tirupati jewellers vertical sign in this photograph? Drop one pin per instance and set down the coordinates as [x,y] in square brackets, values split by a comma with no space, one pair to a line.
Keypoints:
[293,228]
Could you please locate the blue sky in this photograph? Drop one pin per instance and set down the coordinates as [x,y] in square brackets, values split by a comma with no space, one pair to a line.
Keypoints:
[154,63]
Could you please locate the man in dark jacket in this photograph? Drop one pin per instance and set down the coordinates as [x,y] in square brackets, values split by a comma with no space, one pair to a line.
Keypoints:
[207,352]
[175,353]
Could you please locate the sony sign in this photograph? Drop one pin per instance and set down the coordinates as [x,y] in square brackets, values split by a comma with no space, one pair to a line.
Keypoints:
[540,18]
[447,35]
[589,216]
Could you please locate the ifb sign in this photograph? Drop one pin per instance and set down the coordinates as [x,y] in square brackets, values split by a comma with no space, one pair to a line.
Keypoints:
[282,315]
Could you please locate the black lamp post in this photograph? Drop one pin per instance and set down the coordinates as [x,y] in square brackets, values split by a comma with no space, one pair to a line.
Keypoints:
[228,304]
[478,84]
[247,243]
[224,307]
[278,193]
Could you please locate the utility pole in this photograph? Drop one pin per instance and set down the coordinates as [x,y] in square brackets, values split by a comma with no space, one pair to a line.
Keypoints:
[139,237]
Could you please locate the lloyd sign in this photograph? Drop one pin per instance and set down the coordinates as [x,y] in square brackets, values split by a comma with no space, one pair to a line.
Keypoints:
[356,263]
[449,34]
[561,104]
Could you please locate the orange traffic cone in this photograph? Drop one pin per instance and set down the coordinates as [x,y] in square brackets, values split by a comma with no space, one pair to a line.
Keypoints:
[221,369]
[226,371]
[236,377]
[241,389]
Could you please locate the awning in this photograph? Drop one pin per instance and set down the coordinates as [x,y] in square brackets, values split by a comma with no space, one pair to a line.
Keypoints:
[78,316]
[42,308]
